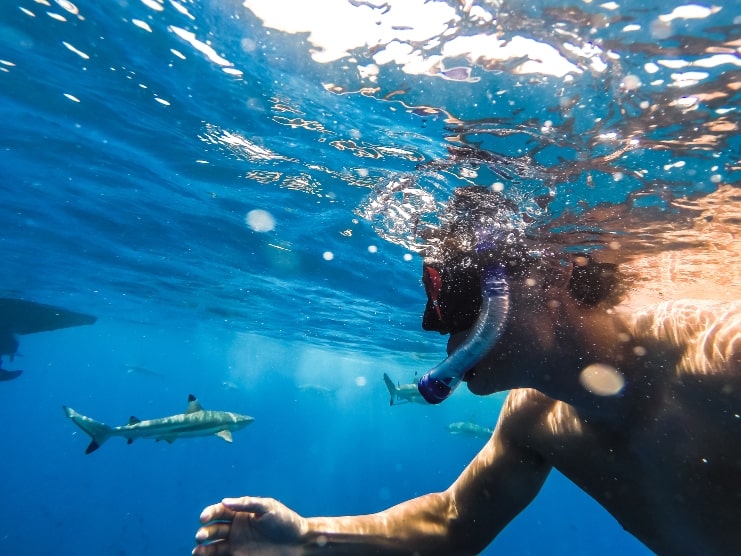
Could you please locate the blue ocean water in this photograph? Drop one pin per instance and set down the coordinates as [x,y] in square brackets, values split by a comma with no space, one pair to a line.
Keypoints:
[222,186]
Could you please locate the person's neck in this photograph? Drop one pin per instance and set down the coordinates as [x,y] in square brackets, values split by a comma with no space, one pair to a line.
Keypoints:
[588,358]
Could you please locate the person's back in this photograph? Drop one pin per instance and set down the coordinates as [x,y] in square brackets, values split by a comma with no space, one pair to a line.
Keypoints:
[663,455]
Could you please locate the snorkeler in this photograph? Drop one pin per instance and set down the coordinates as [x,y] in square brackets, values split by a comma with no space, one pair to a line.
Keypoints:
[638,406]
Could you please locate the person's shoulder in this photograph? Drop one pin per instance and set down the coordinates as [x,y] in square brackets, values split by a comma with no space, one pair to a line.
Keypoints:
[525,401]
[688,311]
[532,421]
[707,332]
[526,409]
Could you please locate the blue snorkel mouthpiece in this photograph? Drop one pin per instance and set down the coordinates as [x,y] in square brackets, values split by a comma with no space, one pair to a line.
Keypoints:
[440,381]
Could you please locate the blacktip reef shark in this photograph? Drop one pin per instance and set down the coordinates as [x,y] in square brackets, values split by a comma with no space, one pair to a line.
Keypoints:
[139,369]
[403,393]
[465,428]
[18,317]
[196,421]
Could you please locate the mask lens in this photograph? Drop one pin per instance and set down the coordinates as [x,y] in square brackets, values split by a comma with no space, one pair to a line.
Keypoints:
[453,298]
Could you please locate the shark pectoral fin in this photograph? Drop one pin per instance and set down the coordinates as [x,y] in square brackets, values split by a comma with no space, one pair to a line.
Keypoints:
[225,434]
[168,439]
[92,447]
[9,375]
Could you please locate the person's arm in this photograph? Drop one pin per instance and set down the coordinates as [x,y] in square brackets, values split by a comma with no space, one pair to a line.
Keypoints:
[501,480]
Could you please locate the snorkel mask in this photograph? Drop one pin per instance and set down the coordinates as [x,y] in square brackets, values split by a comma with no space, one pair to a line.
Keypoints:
[440,381]
[471,291]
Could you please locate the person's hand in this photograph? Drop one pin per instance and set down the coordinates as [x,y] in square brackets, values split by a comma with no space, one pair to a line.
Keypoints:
[249,526]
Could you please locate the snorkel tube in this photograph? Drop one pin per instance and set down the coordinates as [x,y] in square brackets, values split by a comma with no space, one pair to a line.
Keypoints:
[440,381]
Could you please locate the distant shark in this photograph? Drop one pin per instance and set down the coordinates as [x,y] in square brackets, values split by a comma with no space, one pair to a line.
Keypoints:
[403,393]
[465,428]
[138,369]
[18,317]
[194,422]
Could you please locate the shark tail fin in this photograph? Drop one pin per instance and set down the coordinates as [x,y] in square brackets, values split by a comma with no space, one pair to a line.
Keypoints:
[98,432]
[9,375]
[391,387]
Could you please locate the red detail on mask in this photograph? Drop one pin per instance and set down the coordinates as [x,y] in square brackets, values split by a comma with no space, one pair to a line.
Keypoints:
[433,284]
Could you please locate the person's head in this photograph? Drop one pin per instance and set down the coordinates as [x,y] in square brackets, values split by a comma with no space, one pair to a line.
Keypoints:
[483,274]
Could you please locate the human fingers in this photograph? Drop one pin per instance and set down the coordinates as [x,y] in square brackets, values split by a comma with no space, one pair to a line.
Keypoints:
[215,549]
[213,532]
[258,506]
[216,512]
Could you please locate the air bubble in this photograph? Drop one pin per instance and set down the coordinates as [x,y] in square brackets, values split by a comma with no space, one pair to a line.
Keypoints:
[602,379]
[631,82]
[260,220]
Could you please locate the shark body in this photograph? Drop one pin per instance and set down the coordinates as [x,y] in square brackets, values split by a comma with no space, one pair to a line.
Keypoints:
[465,428]
[196,421]
[18,316]
[403,393]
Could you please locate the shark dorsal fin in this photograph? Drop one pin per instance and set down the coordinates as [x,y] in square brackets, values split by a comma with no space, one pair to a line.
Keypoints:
[225,434]
[133,420]
[193,404]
